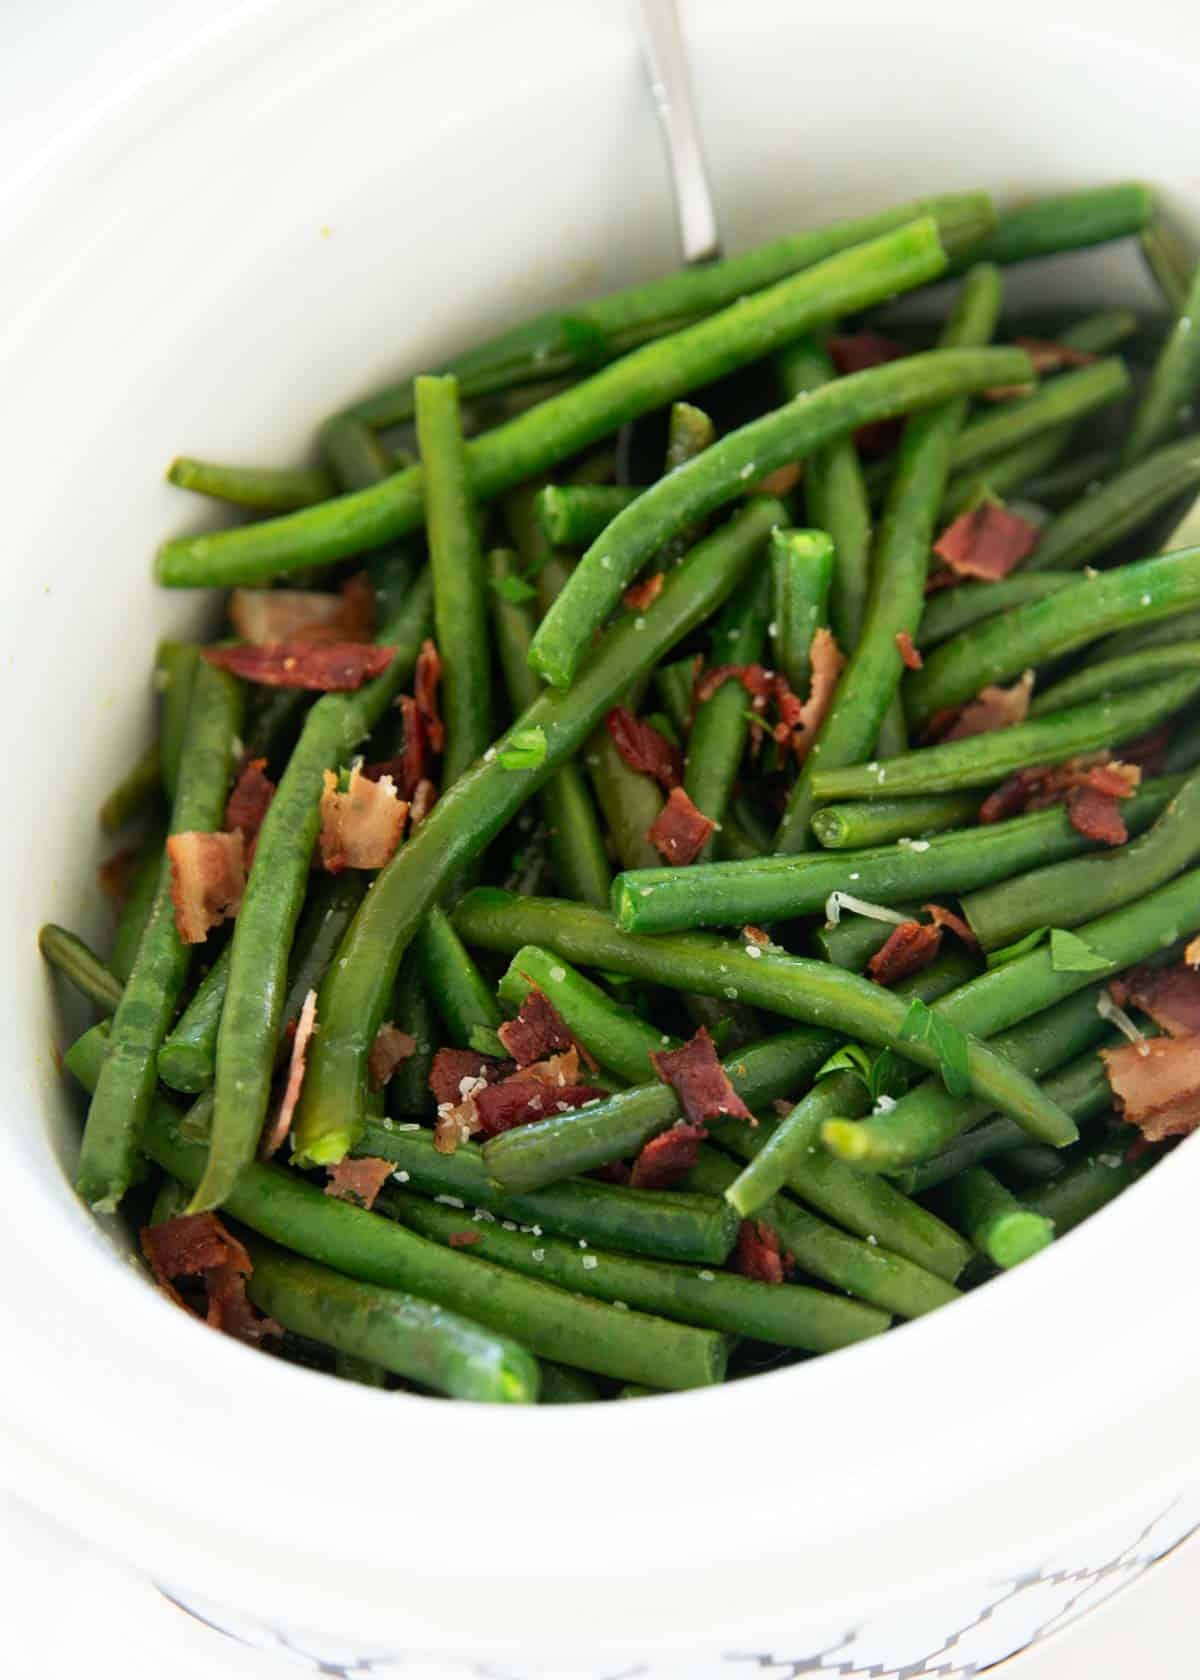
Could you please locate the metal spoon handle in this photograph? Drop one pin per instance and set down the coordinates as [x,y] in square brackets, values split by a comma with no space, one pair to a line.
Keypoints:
[670,83]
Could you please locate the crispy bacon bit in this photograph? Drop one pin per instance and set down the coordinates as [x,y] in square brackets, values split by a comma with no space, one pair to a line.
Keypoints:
[423,801]
[855,353]
[361,828]
[426,678]
[249,802]
[519,1101]
[408,767]
[537,1030]
[358,1179]
[1049,357]
[756,936]
[451,1067]
[1097,816]
[910,947]
[644,594]
[462,1239]
[326,667]
[699,1081]
[986,542]
[391,1047]
[644,748]
[781,482]
[276,1129]
[826,660]
[668,1158]
[560,1069]
[208,878]
[198,1245]
[1157,1084]
[1049,784]
[1170,996]
[115,875]
[758,1254]
[680,832]
[993,708]
[264,616]
[1192,955]
[908,652]
[455,1123]
[950,923]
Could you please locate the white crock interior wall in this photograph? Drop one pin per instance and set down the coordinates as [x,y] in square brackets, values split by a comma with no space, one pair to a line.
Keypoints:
[273,224]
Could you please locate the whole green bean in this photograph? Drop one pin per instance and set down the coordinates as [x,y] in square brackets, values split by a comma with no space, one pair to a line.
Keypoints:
[873,822]
[564,425]
[459,993]
[1173,383]
[795,987]
[982,759]
[777,888]
[717,741]
[81,966]
[125,1087]
[573,515]
[665,1224]
[957,609]
[619,1039]
[1084,1189]
[175,666]
[792,1316]
[390,1328]
[133,792]
[1114,676]
[997,1223]
[252,1015]
[139,901]
[801,574]
[900,558]
[1066,222]
[262,489]
[474,810]
[1125,502]
[722,472]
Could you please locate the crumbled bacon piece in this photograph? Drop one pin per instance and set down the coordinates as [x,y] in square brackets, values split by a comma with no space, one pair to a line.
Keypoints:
[1097,816]
[910,947]
[358,1179]
[198,1245]
[826,660]
[462,1239]
[855,353]
[276,1129]
[758,1254]
[562,1068]
[755,679]
[986,542]
[644,594]
[423,801]
[249,802]
[208,878]
[1049,357]
[645,748]
[699,1081]
[326,667]
[1157,1084]
[1192,955]
[361,828]
[426,678]
[455,1124]
[408,767]
[391,1047]
[1044,785]
[115,875]
[908,652]
[781,482]
[680,831]
[1170,996]
[994,707]
[537,1030]
[519,1101]
[668,1158]
[756,936]
[950,923]
[264,616]
[451,1067]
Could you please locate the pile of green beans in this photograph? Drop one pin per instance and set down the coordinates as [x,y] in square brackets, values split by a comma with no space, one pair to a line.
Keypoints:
[704,723]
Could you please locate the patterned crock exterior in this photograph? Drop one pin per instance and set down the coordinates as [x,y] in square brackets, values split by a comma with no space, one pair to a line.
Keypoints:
[952,1634]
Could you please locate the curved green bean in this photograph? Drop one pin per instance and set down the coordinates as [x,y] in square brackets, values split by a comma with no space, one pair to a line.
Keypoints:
[79,964]
[262,489]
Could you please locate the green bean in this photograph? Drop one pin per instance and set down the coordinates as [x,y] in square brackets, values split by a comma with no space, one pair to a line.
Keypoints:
[527,1158]
[564,425]
[475,809]
[390,1329]
[722,472]
[354,455]
[921,1122]
[1069,396]
[458,991]
[1121,505]
[175,669]
[81,966]
[953,610]
[170,1201]
[188,1055]
[1179,627]
[139,900]
[717,740]
[996,1222]
[673,685]
[1084,1189]
[410,1009]
[835,497]
[1001,474]
[616,1037]
[111,1149]
[1079,475]
[869,1271]
[1173,383]
[1169,262]
[573,515]
[777,888]
[1067,222]
[795,987]
[564,1386]
[852,942]
[252,1015]
[262,489]
[133,792]
[593,332]
[459,576]
[900,557]
[577,852]
[1042,630]
[1065,894]
[792,1316]
[801,573]
[630,803]
[665,1224]
[1113,676]
[1099,332]
[300,1217]
[982,759]
[873,822]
